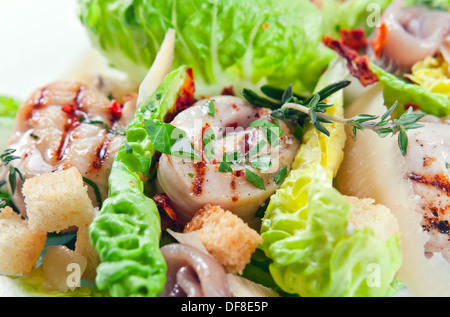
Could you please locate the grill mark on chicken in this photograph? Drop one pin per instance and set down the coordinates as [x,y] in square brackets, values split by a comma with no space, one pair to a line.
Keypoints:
[199,178]
[72,114]
[79,97]
[434,223]
[65,140]
[38,102]
[431,219]
[439,181]
[101,152]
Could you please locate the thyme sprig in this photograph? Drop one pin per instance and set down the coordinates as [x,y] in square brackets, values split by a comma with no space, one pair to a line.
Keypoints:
[381,125]
[291,107]
[12,172]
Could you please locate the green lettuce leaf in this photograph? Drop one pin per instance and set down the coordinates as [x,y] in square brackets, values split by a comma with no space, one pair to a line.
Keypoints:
[8,110]
[127,230]
[408,94]
[9,106]
[351,14]
[305,227]
[239,43]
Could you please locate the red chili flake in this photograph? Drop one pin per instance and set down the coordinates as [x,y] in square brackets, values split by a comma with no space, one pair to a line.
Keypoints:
[358,65]
[69,109]
[116,109]
[355,38]
[379,41]
[235,107]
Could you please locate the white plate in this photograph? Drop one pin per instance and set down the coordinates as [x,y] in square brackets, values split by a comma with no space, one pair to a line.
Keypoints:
[40,39]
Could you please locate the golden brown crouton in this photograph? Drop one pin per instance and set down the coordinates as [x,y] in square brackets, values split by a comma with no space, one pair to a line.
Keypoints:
[226,236]
[364,212]
[57,201]
[20,247]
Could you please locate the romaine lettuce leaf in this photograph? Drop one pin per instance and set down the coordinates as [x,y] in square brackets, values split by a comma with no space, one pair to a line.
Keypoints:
[408,94]
[239,43]
[351,14]
[305,228]
[8,106]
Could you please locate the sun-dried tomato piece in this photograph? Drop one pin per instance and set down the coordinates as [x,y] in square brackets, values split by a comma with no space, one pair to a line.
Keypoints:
[379,41]
[354,38]
[186,98]
[169,218]
[358,65]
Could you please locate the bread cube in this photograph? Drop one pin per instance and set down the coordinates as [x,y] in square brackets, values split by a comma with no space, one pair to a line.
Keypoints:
[226,236]
[57,201]
[20,246]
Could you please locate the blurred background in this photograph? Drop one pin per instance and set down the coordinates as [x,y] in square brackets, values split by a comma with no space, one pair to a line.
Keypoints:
[40,41]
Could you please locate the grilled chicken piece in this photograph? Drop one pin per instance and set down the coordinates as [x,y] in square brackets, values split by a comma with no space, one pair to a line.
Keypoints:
[191,184]
[69,124]
[427,164]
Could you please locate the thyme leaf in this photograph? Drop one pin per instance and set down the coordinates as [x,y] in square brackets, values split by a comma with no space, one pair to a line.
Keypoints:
[96,190]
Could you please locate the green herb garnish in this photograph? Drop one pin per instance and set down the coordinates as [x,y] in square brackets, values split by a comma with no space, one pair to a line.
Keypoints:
[299,109]
[272,130]
[254,178]
[13,171]
[96,190]
[12,178]
[263,162]
[210,104]
[281,175]
[104,124]
[169,139]
[224,167]
[208,137]
[232,157]
[255,150]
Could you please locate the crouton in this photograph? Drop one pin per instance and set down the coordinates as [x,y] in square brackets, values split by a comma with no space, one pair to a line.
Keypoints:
[56,201]
[20,246]
[225,236]
[364,212]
